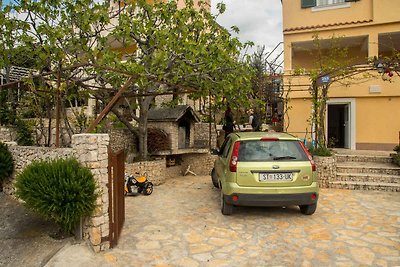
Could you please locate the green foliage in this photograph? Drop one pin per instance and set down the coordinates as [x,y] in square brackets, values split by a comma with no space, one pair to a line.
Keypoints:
[7,116]
[320,151]
[6,162]
[60,190]
[396,159]
[24,133]
[397,148]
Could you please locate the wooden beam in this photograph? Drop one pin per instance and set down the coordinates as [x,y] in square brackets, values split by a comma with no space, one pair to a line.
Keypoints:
[110,105]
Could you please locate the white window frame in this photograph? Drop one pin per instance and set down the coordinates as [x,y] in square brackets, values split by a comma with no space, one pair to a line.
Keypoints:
[331,4]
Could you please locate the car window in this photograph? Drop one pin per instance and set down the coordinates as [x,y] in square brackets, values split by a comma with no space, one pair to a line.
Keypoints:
[225,147]
[257,150]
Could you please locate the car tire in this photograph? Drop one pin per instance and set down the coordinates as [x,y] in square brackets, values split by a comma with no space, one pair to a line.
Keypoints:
[308,209]
[214,178]
[226,209]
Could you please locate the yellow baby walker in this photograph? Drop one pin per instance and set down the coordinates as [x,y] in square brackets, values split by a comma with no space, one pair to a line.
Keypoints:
[141,184]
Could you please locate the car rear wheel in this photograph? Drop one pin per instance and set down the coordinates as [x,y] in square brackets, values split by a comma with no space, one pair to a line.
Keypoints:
[308,209]
[214,178]
[226,208]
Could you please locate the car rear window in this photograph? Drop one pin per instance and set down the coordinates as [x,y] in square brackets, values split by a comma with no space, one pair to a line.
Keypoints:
[282,150]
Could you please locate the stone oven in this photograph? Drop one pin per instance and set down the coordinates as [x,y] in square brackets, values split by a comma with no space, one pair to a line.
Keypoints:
[178,122]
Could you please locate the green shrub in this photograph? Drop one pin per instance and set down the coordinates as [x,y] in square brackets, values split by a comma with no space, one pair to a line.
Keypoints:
[24,133]
[60,190]
[6,162]
[320,151]
[396,159]
[397,148]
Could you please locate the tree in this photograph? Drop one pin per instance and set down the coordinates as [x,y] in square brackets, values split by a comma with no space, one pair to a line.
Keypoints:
[175,51]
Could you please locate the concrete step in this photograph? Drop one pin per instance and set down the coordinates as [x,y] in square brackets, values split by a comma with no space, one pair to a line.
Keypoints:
[368,168]
[387,187]
[363,158]
[367,177]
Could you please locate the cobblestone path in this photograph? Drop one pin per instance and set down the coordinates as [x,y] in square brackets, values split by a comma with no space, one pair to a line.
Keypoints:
[180,224]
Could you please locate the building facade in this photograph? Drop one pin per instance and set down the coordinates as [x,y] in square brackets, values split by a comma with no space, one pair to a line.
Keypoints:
[365,113]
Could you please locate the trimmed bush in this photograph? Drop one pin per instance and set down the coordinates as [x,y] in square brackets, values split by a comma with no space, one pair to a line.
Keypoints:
[396,159]
[6,162]
[320,151]
[60,190]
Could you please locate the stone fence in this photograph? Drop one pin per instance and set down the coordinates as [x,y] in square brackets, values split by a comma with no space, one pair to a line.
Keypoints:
[91,151]
[326,170]
[7,134]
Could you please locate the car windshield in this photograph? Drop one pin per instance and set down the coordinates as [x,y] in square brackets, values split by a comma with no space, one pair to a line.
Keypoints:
[260,150]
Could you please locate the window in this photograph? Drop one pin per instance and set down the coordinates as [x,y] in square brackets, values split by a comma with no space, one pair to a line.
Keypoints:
[329,2]
[256,150]
[324,3]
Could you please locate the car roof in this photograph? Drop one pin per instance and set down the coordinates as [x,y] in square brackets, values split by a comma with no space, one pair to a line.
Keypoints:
[259,135]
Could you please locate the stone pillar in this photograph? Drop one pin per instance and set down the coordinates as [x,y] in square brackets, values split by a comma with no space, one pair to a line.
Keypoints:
[91,151]
[326,170]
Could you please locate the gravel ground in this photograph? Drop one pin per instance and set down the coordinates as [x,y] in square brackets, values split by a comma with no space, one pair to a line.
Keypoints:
[25,238]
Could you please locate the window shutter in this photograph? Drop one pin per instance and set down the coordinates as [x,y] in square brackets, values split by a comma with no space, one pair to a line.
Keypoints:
[308,3]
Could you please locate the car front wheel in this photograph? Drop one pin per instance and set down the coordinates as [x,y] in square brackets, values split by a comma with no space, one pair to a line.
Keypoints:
[226,208]
[308,209]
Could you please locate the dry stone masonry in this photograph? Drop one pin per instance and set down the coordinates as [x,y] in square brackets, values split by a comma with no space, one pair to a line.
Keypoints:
[91,151]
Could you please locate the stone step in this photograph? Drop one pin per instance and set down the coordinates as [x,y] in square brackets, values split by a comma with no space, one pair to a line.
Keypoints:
[387,187]
[368,168]
[367,177]
[363,158]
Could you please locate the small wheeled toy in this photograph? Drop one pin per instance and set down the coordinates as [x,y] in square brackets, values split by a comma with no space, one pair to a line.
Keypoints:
[140,185]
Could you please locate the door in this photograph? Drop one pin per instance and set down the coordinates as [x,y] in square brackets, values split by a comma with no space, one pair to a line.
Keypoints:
[339,125]
[346,125]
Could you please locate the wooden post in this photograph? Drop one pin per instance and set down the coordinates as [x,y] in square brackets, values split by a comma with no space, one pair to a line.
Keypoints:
[58,108]
[110,105]
[209,123]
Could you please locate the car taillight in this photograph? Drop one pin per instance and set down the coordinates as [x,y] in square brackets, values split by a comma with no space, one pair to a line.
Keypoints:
[234,157]
[308,155]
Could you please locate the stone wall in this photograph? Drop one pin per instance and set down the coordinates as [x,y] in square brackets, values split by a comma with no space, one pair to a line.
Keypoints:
[91,151]
[200,164]
[123,139]
[326,170]
[154,170]
[7,134]
[25,155]
[202,133]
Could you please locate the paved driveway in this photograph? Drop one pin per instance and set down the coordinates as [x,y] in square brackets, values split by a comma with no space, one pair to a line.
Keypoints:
[180,224]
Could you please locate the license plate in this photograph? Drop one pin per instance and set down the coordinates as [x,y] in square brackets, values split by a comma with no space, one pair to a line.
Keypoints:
[284,177]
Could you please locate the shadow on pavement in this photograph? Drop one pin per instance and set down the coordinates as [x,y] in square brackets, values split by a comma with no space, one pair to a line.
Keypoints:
[25,238]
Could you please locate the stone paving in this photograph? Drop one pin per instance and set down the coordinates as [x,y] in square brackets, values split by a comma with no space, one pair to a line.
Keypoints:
[180,224]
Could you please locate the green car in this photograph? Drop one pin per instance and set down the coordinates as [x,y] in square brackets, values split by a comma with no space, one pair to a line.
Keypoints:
[265,169]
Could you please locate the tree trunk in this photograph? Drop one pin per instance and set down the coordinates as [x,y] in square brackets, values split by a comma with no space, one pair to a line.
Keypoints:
[144,104]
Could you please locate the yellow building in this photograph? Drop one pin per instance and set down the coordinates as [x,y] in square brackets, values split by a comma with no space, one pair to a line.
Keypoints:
[365,114]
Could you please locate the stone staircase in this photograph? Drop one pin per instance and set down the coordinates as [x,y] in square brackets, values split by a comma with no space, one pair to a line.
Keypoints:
[366,172]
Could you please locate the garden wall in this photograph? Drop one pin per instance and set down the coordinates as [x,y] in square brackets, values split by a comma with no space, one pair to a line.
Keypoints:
[7,134]
[91,151]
